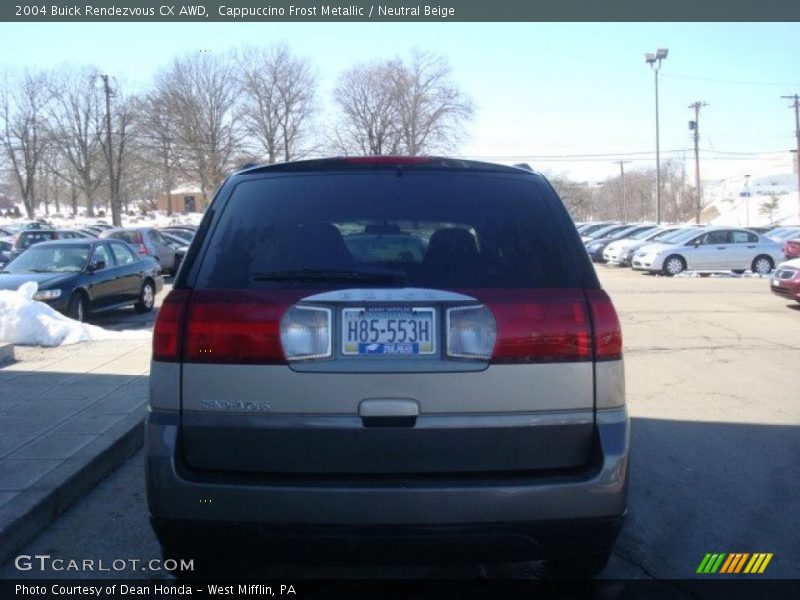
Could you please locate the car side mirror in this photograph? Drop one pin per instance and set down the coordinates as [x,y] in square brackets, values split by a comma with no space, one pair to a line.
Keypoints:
[694,243]
[98,265]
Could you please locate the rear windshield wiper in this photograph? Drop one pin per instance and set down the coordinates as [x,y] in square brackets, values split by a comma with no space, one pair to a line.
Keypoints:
[372,275]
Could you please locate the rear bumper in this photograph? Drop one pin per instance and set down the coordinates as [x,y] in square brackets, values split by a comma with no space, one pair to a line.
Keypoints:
[497,542]
[576,511]
[786,289]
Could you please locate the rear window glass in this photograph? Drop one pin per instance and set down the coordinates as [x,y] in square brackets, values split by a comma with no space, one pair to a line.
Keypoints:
[419,229]
[129,237]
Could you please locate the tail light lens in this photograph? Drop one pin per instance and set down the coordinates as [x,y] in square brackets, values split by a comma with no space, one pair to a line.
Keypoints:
[607,333]
[168,329]
[243,331]
[306,333]
[471,332]
[143,250]
[541,326]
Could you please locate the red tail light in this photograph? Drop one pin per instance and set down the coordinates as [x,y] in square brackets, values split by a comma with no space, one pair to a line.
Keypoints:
[143,250]
[540,326]
[168,330]
[553,326]
[607,334]
[244,330]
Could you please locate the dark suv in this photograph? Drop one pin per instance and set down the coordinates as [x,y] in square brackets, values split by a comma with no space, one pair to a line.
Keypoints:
[394,357]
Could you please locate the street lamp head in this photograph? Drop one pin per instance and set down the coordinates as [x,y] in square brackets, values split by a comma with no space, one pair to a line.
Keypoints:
[661,53]
[650,58]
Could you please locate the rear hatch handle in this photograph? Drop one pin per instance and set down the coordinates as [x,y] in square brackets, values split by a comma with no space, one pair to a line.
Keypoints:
[388,412]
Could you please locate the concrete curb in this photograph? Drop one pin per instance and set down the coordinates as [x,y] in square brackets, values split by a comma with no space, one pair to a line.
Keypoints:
[34,509]
[6,353]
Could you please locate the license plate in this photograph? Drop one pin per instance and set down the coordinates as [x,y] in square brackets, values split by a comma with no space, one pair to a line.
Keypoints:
[394,331]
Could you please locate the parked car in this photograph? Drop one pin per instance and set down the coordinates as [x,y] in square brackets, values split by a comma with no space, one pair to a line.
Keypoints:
[710,249]
[184,232]
[175,241]
[781,234]
[6,248]
[620,252]
[791,248]
[79,277]
[590,234]
[89,232]
[596,247]
[785,280]
[465,400]
[180,245]
[28,237]
[147,241]
[589,228]
[70,234]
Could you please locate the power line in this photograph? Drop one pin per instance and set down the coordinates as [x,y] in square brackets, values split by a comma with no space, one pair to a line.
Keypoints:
[730,81]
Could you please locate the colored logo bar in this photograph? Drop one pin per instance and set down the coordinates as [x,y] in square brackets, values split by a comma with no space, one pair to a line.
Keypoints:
[734,563]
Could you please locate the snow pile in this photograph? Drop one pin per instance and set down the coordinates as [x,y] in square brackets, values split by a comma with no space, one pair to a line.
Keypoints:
[27,322]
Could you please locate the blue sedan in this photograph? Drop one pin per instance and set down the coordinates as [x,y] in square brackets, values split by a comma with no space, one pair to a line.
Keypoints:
[79,277]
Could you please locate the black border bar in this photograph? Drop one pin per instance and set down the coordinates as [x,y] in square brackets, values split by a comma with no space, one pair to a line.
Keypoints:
[36,11]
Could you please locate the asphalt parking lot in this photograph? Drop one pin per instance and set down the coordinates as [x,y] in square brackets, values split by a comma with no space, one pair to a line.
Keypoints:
[711,370]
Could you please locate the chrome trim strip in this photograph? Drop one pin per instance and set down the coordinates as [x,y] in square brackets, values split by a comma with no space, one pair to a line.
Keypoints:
[388,295]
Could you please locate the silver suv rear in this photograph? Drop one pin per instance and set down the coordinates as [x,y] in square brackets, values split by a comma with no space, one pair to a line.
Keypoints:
[388,357]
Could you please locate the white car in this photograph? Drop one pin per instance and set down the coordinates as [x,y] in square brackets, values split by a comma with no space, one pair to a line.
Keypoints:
[710,249]
[781,234]
[621,251]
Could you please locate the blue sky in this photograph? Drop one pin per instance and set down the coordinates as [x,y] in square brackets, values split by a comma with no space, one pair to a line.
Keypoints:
[540,89]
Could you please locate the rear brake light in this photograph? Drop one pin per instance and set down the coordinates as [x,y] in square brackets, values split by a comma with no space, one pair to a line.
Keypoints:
[168,329]
[541,326]
[143,250]
[242,331]
[386,160]
[471,332]
[607,334]
[306,333]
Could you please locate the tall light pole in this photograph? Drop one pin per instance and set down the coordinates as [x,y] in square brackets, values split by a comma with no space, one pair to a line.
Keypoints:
[654,60]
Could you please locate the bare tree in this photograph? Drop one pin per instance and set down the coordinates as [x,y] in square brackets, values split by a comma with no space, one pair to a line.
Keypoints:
[390,107]
[158,144]
[433,110]
[279,92]
[23,103]
[201,91]
[76,128]
[367,97]
[578,197]
[123,121]
[769,207]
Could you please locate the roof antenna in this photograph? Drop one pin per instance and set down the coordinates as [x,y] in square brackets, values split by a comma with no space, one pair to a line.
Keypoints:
[525,166]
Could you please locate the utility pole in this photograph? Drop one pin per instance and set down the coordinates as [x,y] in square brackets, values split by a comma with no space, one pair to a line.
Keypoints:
[695,125]
[116,218]
[622,182]
[796,106]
